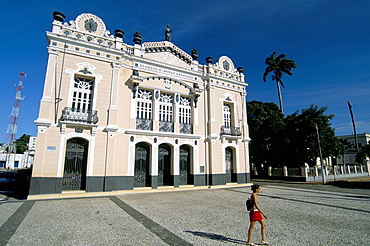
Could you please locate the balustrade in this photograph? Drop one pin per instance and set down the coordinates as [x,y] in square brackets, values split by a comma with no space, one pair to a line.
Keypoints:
[80,116]
[231,130]
[186,128]
[144,124]
[165,126]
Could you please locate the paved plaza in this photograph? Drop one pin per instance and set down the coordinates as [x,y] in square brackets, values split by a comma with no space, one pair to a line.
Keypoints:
[208,216]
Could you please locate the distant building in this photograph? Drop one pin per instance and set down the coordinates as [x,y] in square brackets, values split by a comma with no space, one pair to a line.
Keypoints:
[350,157]
[14,161]
[131,116]
[32,143]
[362,139]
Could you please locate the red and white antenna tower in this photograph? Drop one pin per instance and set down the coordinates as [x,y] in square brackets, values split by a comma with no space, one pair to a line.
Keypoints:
[11,133]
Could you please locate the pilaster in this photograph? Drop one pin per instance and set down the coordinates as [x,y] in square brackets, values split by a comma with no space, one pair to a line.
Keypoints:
[156,96]
[47,98]
[113,108]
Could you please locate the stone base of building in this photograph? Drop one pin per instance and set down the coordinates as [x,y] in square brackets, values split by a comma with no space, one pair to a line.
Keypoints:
[50,185]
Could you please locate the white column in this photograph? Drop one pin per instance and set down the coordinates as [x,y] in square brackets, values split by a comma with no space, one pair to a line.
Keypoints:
[91,155]
[61,156]
[154,160]
[176,161]
[131,160]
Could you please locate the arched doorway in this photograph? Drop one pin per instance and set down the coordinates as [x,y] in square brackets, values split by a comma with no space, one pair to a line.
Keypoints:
[74,176]
[185,165]
[229,163]
[142,158]
[164,165]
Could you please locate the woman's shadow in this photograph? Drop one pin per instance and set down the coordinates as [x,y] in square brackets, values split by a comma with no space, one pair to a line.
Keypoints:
[217,237]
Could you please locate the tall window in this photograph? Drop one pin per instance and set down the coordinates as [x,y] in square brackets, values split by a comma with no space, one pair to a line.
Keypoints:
[144,111]
[144,104]
[227,115]
[165,108]
[81,107]
[228,127]
[82,94]
[185,115]
[185,110]
[165,112]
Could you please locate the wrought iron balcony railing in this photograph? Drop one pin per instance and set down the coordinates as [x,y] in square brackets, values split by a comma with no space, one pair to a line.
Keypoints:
[144,124]
[186,128]
[165,126]
[80,116]
[231,130]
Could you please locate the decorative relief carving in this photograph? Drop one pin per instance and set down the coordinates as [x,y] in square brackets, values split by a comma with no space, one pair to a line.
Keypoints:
[227,97]
[168,58]
[91,25]
[226,65]
[169,53]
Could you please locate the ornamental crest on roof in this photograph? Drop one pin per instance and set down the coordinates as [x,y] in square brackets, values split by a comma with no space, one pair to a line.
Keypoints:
[88,23]
[225,63]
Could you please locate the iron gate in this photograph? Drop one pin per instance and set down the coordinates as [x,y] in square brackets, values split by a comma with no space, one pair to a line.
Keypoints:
[229,164]
[184,166]
[164,165]
[74,177]
[141,158]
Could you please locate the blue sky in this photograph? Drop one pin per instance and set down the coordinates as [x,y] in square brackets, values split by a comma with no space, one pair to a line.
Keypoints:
[329,40]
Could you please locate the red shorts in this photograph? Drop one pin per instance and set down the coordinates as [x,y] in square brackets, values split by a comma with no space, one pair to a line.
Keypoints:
[255,216]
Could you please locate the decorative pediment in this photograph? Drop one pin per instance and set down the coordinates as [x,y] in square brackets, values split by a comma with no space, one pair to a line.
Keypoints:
[226,64]
[84,68]
[167,52]
[87,27]
[90,23]
[225,68]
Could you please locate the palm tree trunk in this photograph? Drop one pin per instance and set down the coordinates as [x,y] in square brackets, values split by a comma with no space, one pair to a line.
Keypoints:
[279,95]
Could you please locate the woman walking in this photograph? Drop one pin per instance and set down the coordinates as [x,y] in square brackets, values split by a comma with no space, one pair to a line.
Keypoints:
[255,215]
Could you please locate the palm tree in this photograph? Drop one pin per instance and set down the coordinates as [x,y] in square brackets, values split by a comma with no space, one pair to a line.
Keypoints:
[279,66]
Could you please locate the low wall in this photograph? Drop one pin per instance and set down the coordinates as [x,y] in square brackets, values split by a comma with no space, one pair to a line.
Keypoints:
[309,174]
[334,177]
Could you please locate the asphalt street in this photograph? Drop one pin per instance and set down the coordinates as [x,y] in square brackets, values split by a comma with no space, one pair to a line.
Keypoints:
[299,214]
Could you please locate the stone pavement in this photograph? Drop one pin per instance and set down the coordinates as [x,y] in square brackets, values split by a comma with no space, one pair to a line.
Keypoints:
[209,216]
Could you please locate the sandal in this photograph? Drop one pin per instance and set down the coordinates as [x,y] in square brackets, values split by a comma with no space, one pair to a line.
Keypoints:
[251,244]
[265,243]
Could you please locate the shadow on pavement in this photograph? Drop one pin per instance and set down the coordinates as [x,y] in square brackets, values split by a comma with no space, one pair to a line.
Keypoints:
[217,237]
[353,184]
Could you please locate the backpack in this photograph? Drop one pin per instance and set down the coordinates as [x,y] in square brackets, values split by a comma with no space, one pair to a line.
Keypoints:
[249,204]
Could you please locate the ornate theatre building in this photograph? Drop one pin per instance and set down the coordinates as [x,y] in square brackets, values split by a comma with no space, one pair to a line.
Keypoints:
[115,116]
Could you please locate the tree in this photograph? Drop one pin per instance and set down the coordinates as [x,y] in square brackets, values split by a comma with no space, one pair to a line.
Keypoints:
[279,66]
[363,153]
[22,143]
[303,140]
[266,125]
[292,140]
